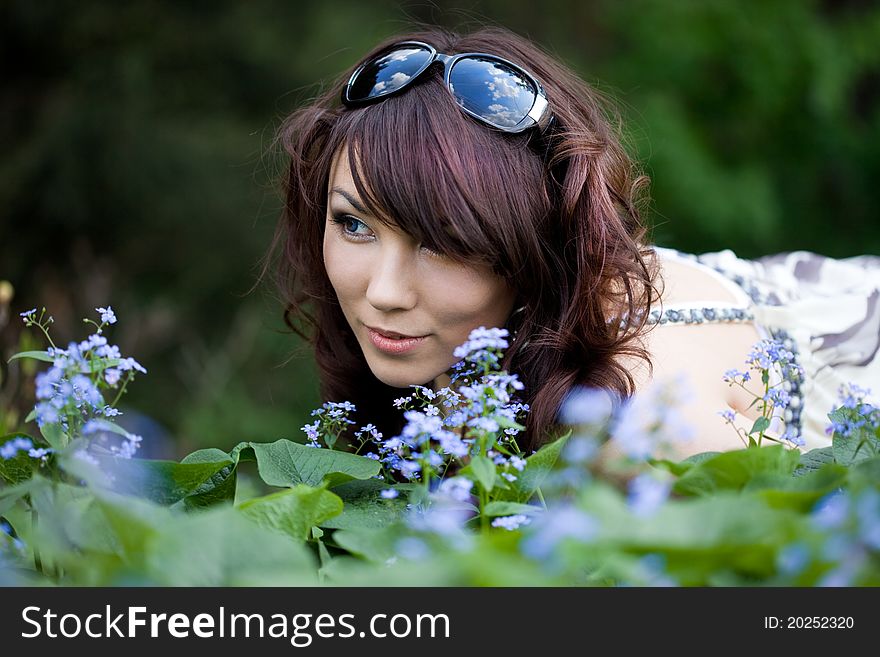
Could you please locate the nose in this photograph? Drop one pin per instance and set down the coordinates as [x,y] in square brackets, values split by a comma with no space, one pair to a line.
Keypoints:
[393,284]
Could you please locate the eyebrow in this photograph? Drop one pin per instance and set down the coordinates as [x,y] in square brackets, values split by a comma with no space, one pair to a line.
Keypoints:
[351,199]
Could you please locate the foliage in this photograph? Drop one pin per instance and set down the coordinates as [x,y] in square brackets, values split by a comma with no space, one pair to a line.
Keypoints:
[450,501]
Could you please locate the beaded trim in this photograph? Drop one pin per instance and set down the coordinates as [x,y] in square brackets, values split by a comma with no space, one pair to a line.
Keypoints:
[700,315]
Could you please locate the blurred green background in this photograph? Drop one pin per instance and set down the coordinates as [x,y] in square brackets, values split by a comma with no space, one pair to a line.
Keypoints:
[135,173]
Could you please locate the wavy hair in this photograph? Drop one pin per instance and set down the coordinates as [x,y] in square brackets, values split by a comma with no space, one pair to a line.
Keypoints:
[560,222]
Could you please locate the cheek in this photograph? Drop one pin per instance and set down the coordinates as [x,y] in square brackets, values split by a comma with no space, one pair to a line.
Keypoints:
[470,298]
[343,268]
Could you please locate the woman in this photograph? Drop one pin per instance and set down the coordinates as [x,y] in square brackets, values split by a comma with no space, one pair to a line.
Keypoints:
[428,195]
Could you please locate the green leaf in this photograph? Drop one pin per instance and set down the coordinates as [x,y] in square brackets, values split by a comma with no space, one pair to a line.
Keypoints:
[538,466]
[217,547]
[729,532]
[373,544]
[168,482]
[20,467]
[678,468]
[800,492]
[294,511]
[509,509]
[814,459]
[364,505]
[286,463]
[220,487]
[36,355]
[12,494]
[54,435]
[734,469]
[483,471]
[861,444]
[760,425]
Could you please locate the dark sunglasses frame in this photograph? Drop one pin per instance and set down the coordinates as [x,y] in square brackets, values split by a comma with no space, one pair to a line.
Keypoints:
[538,115]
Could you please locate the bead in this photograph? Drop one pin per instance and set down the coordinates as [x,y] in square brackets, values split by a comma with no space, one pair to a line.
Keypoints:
[788,415]
[786,385]
[794,401]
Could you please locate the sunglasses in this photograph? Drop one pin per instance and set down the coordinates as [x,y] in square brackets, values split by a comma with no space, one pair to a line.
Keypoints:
[487,87]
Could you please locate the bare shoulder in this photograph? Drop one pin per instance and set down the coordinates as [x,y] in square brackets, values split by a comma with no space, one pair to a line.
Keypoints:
[701,353]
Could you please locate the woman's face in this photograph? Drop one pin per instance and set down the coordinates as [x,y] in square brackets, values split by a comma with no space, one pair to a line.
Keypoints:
[385,280]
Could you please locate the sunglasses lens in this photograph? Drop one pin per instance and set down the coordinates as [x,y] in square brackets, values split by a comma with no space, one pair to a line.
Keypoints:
[492,90]
[388,73]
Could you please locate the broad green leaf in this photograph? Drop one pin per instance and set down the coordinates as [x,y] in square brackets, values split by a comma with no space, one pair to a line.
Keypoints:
[814,459]
[21,466]
[54,435]
[36,355]
[538,466]
[220,487]
[218,547]
[286,463]
[164,482]
[493,509]
[725,532]
[373,544]
[294,511]
[364,505]
[483,471]
[862,444]
[734,469]
[800,492]
[10,495]
[865,473]
[678,468]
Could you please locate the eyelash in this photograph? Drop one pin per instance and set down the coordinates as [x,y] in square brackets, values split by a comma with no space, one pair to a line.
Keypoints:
[341,219]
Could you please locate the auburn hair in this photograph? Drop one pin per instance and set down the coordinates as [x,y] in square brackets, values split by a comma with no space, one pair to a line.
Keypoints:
[558,217]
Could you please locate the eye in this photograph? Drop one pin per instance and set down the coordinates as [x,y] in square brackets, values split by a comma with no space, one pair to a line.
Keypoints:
[431,252]
[348,226]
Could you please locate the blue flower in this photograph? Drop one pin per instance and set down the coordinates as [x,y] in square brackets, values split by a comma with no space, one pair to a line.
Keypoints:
[107,315]
[647,493]
[793,558]
[389,494]
[586,405]
[554,526]
[11,447]
[511,522]
[456,488]
[831,511]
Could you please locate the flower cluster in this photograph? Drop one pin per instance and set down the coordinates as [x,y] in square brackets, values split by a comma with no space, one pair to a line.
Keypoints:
[332,418]
[11,448]
[764,356]
[854,412]
[445,429]
[70,394]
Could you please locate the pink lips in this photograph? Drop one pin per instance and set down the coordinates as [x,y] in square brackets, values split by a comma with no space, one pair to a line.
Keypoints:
[393,345]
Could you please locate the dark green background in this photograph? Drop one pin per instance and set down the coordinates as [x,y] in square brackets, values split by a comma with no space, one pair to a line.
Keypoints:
[135,173]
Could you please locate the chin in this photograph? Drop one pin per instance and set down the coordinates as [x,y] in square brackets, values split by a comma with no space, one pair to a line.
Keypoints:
[397,379]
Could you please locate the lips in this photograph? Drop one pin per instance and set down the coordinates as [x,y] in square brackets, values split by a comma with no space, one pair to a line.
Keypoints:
[394,335]
[394,346]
